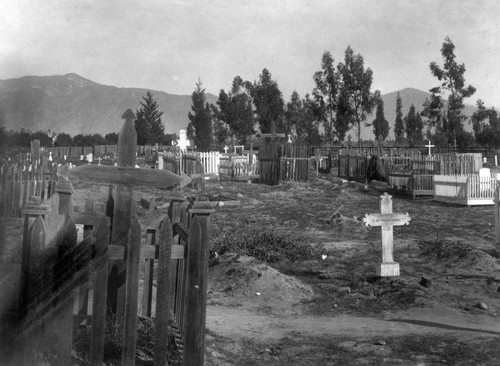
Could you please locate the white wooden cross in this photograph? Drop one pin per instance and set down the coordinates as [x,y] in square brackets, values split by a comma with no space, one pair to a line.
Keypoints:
[387,219]
[429,147]
[225,149]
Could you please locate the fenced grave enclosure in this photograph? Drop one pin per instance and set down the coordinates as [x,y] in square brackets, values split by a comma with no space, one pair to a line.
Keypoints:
[74,284]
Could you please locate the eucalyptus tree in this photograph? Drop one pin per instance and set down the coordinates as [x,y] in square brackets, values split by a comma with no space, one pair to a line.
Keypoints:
[356,101]
[445,109]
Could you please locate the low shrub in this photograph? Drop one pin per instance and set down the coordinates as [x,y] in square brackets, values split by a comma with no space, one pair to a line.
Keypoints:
[265,245]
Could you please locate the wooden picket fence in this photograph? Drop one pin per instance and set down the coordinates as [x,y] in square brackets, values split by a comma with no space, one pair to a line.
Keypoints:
[32,174]
[60,274]
[353,168]
[465,189]
[210,161]
[237,167]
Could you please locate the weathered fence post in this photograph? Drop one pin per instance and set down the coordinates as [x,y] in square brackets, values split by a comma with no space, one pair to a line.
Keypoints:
[122,211]
[33,242]
[196,299]
[147,292]
[133,255]
[497,218]
[163,302]
[99,299]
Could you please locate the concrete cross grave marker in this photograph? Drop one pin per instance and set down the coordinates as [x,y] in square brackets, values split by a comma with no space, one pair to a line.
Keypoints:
[429,146]
[387,219]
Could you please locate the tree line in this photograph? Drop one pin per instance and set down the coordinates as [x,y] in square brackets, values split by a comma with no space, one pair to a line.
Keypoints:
[340,102]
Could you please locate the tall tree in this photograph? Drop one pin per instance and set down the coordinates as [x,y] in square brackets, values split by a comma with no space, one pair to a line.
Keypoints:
[111,138]
[325,96]
[453,89]
[148,122]
[63,139]
[356,98]
[414,125]
[200,121]
[380,124]
[236,110]
[399,126]
[486,125]
[269,104]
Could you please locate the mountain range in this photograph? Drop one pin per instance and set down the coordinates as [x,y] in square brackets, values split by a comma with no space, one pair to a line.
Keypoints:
[73,104]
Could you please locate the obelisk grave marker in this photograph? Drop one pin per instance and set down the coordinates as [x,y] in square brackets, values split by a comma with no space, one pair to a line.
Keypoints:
[387,219]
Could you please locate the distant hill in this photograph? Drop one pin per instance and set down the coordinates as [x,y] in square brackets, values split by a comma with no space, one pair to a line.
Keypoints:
[409,96]
[73,104]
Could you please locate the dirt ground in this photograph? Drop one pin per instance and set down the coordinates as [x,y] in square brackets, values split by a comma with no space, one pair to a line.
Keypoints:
[331,308]
[335,310]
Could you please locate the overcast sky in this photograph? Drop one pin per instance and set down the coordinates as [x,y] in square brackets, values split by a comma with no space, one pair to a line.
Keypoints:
[168,44]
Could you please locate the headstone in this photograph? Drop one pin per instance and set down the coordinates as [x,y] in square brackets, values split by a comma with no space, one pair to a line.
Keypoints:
[387,219]
[183,141]
[429,146]
[50,155]
[484,173]
[225,149]
[81,157]
[160,161]
[90,157]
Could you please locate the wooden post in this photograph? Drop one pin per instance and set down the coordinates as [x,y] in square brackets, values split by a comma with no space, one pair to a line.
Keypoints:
[33,243]
[197,285]
[147,288]
[99,299]
[65,332]
[163,302]
[131,294]
[122,211]
[192,337]
[497,218]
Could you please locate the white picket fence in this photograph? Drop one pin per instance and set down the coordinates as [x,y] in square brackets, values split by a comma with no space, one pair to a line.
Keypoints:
[465,189]
[210,161]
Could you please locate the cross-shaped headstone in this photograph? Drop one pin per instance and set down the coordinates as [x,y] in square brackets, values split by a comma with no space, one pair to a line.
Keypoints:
[125,176]
[429,146]
[387,219]
[225,149]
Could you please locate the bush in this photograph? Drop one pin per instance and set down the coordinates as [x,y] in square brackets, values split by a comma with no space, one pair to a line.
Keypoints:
[265,245]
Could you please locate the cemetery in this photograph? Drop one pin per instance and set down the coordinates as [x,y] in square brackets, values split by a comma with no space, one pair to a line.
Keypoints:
[246,257]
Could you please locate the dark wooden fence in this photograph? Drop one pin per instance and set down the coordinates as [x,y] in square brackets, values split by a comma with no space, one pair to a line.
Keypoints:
[279,161]
[60,274]
[353,168]
[32,174]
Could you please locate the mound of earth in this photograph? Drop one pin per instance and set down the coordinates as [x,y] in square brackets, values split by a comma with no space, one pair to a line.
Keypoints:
[246,282]
[460,255]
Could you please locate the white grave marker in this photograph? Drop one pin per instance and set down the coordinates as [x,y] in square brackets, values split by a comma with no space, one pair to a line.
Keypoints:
[183,141]
[429,147]
[387,219]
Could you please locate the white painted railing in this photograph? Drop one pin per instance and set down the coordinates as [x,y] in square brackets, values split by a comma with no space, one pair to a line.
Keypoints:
[465,189]
[210,161]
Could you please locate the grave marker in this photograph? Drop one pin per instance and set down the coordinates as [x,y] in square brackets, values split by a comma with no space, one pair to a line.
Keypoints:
[125,233]
[387,219]
[429,147]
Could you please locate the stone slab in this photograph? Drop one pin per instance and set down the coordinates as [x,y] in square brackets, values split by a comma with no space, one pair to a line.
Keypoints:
[388,269]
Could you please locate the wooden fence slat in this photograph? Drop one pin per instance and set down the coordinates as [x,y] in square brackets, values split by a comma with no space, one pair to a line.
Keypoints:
[147,288]
[163,285]
[65,332]
[131,294]
[99,299]
[191,333]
